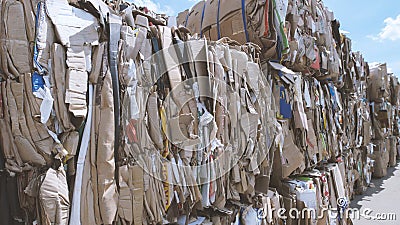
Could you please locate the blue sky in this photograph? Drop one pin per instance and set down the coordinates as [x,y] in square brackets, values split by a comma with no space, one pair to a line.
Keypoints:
[373,26]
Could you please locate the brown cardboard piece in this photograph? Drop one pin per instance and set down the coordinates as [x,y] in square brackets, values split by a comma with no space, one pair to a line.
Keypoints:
[107,188]
[233,27]
[76,90]
[22,138]
[311,139]
[154,121]
[131,194]
[194,18]
[378,83]
[292,157]
[74,26]
[44,39]
[392,151]
[59,81]
[181,18]
[17,53]
[229,6]
[54,198]
[381,157]
[210,14]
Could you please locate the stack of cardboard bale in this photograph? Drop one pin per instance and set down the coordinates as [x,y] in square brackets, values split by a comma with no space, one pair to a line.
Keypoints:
[383,97]
[108,116]
[322,89]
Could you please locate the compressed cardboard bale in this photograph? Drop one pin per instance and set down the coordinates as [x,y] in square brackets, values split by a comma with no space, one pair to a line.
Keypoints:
[333,127]
[381,160]
[204,14]
[380,169]
[242,21]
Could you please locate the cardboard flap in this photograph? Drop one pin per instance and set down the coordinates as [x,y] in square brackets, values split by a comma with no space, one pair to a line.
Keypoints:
[74,27]
[228,6]
[292,157]
[210,14]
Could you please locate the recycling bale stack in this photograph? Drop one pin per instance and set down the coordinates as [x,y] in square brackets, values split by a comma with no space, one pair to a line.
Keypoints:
[109,116]
[379,95]
[322,90]
[395,103]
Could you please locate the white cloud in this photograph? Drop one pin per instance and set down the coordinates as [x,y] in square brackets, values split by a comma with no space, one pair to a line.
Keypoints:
[155,7]
[344,32]
[373,37]
[391,31]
